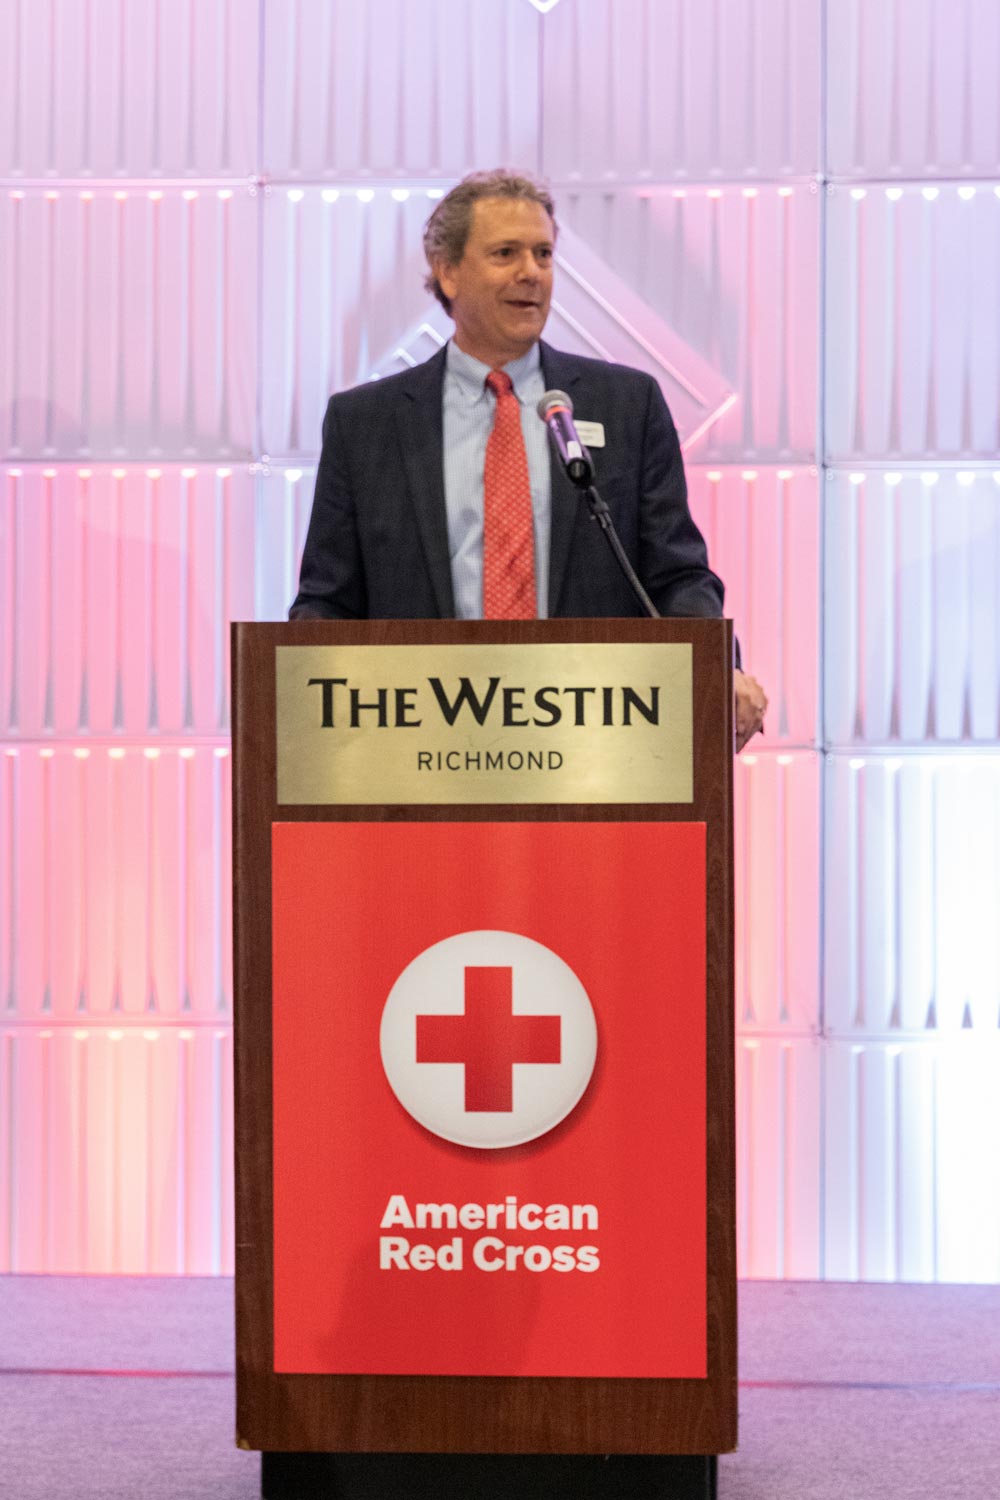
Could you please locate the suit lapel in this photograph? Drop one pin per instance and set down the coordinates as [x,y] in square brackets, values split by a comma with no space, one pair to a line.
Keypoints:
[421,425]
[561,372]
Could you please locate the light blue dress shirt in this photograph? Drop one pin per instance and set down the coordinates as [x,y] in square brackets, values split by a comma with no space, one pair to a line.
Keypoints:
[469,410]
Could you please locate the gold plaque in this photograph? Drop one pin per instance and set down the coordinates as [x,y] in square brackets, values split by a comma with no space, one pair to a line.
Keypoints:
[362,725]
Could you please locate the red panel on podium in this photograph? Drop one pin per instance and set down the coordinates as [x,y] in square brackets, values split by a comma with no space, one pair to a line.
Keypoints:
[489,1129]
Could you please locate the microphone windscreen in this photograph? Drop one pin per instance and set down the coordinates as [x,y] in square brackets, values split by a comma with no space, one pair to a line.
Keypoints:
[553,399]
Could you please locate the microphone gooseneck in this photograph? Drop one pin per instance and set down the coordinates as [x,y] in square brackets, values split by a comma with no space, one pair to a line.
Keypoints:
[556,410]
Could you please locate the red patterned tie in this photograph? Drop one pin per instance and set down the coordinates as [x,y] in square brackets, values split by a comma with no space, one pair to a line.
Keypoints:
[508,530]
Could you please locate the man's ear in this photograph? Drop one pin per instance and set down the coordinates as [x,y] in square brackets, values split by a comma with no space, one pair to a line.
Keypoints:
[447,279]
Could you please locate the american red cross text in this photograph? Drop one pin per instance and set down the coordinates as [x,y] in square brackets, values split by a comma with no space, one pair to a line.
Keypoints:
[488,1039]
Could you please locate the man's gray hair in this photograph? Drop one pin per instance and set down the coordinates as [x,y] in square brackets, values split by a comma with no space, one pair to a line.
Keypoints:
[447,230]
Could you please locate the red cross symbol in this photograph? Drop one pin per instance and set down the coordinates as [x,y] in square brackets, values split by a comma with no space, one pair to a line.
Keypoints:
[488,1038]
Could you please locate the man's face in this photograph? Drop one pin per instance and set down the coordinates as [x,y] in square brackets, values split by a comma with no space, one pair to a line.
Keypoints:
[501,288]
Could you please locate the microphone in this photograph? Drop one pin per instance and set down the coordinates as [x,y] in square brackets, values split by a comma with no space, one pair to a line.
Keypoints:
[556,411]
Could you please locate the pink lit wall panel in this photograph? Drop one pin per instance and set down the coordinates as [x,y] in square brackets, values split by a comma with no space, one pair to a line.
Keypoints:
[912,585]
[735,277]
[911,1136]
[912,88]
[762,528]
[675,89]
[131,323]
[115,1149]
[284,505]
[122,583]
[164,88]
[115,884]
[912,938]
[210,218]
[779,1091]
[777,845]
[391,88]
[913,301]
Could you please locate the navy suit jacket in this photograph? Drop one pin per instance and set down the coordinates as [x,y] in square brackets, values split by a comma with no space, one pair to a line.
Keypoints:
[377,546]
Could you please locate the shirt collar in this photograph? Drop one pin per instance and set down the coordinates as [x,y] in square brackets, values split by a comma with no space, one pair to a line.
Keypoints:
[469,374]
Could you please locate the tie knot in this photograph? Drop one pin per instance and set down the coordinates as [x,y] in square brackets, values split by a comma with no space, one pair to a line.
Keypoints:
[500,383]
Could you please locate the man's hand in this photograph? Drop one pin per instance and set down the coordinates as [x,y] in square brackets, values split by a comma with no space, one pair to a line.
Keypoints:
[751,705]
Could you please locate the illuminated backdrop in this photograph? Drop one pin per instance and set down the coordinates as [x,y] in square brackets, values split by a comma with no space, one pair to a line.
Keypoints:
[210,218]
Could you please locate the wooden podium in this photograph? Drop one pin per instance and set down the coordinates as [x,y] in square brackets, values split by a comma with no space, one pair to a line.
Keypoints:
[440,1420]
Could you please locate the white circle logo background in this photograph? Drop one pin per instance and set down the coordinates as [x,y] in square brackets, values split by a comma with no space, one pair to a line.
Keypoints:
[542,985]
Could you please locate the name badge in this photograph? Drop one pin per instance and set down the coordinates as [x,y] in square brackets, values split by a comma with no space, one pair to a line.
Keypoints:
[591,434]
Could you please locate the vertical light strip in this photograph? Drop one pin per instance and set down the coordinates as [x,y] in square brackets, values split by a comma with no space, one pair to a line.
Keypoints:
[11,597]
[785,848]
[86,302]
[46,840]
[18,311]
[153,312]
[186,1150]
[224,321]
[152,876]
[48,607]
[10,770]
[187,629]
[82,986]
[80,1115]
[83,616]
[46,1154]
[783,1235]
[219,1040]
[224,491]
[46,332]
[187,861]
[9,1093]
[119,319]
[786,566]
[190,14]
[224,87]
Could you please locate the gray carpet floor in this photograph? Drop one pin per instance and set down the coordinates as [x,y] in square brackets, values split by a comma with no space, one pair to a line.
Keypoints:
[121,1389]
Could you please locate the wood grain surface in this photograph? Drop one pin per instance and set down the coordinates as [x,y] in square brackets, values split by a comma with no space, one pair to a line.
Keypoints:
[434,1414]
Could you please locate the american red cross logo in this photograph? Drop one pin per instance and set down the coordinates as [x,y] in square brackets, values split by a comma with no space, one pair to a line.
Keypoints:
[488,1038]
[454,1003]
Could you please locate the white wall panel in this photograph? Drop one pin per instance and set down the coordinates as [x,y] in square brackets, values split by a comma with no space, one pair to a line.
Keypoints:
[912,623]
[115,88]
[762,530]
[912,939]
[399,89]
[912,87]
[115,883]
[131,323]
[911,1137]
[284,505]
[777,848]
[117,588]
[779,1091]
[116,1150]
[346,303]
[913,302]
[344,280]
[733,272]
[673,89]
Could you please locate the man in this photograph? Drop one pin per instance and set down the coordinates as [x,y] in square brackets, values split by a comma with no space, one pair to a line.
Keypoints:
[436,493]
